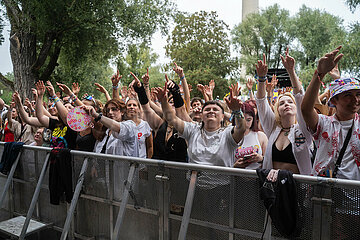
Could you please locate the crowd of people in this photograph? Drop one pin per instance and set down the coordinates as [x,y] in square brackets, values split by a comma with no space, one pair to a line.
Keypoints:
[305,132]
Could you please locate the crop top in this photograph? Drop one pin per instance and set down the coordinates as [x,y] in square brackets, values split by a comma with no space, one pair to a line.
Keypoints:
[285,156]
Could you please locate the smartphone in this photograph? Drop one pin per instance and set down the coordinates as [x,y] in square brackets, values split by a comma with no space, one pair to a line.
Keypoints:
[246,157]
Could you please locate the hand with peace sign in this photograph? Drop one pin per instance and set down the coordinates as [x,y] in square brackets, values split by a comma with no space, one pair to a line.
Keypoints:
[262,67]
[116,78]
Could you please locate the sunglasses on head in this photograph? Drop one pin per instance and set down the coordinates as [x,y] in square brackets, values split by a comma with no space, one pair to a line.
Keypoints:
[90,98]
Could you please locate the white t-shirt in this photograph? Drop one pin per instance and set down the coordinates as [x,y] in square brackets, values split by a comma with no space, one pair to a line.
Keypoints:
[329,139]
[250,145]
[348,166]
[209,148]
[142,131]
[122,143]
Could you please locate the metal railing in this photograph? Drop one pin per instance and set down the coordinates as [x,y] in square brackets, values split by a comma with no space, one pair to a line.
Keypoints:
[134,198]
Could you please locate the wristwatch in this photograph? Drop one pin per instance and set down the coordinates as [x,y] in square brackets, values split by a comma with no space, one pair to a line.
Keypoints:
[98,117]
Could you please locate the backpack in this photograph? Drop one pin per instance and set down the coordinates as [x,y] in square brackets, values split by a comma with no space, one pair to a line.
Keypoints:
[280,200]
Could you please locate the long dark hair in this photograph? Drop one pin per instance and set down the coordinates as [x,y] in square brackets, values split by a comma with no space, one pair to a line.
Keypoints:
[248,109]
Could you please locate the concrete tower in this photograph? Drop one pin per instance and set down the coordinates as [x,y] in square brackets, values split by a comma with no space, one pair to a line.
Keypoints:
[249,6]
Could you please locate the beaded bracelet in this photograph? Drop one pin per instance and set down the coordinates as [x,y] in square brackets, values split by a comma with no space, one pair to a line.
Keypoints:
[182,77]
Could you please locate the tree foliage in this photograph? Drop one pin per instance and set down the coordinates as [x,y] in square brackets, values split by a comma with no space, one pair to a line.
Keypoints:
[265,32]
[137,59]
[200,44]
[353,4]
[51,33]
[309,34]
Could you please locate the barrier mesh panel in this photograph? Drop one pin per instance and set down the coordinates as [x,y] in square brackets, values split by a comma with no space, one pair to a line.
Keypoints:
[145,187]
[97,179]
[345,213]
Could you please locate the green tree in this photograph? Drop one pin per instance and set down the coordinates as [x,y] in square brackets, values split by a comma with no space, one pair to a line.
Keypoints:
[353,4]
[265,32]
[350,62]
[138,58]
[43,30]
[315,30]
[200,44]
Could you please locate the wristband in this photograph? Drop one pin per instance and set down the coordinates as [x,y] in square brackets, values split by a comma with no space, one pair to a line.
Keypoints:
[261,79]
[115,87]
[98,117]
[182,77]
[237,114]
[143,99]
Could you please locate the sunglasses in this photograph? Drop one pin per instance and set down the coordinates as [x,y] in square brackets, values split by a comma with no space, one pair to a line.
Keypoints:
[90,98]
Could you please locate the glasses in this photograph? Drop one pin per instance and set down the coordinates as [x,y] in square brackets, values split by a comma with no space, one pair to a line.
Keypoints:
[90,98]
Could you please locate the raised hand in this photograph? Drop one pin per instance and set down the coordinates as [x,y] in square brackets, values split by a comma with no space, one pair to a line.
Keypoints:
[146,78]
[40,87]
[288,61]
[212,84]
[201,88]
[34,93]
[65,89]
[124,92]
[329,61]
[249,84]
[274,81]
[262,67]
[335,73]
[232,101]
[75,88]
[178,70]
[28,103]
[268,87]
[50,88]
[235,88]
[116,78]
[136,81]
[90,110]
[16,98]
[288,89]
[160,93]
[100,88]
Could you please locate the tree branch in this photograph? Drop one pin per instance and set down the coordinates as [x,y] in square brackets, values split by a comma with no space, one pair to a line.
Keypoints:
[53,60]
[7,82]
[15,10]
[44,52]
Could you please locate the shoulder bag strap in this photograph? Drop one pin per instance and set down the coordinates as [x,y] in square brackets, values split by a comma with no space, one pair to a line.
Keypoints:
[342,151]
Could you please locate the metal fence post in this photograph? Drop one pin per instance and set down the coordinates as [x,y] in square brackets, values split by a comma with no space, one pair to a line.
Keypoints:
[188,206]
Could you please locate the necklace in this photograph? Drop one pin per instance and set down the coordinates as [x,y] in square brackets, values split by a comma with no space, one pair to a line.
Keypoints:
[286,131]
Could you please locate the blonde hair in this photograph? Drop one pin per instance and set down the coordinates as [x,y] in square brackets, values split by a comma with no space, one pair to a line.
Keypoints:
[276,107]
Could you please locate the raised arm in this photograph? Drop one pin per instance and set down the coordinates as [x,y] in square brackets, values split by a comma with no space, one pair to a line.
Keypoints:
[249,86]
[178,100]
[235,105]
[150,116]
[261,69]
[289,65]
[43,119]
[101,89]
[33,121]
[107,122]
[168,112]
[325,64]
[62,110]
[115,79]
[180,73]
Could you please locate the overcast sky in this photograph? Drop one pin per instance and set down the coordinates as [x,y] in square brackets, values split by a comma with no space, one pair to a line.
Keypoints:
[228,10]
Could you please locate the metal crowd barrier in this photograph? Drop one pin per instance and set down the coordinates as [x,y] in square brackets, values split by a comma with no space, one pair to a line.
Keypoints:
[134,198]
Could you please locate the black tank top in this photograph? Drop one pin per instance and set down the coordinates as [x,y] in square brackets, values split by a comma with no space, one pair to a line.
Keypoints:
[285,156]
[174,150]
